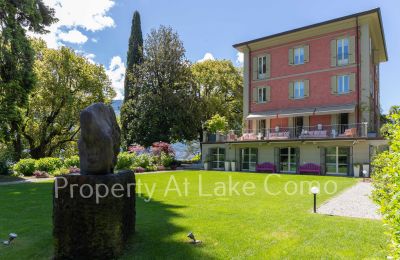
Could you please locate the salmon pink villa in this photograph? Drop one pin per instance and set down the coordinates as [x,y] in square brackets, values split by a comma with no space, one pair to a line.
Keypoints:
[310,100]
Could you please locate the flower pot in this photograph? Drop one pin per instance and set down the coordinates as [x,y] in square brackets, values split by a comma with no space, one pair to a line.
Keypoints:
[366,168]
[205,166]
[356,170]
[233,166]
[227,166]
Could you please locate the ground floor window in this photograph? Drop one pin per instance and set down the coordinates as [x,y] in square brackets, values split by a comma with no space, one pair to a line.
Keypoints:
[337,160]
[217,158]
[248,158]
[288,159]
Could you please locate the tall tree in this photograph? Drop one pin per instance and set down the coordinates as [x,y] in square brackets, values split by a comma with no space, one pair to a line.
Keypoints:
[66,84]
[220,88]
[16,62]
[166,107]
[134,58]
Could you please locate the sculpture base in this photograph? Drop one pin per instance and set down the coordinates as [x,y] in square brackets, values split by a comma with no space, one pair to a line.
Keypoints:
[93,215]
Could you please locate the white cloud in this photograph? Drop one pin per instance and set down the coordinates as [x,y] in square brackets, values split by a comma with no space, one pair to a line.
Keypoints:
[239,58]
[73,36]
[88,15]
[94,40]
[90,57]
[116,73]
[207,56]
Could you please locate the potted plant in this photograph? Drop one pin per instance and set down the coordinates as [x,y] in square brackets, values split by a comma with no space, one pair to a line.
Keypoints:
[227,166]
[356,168]
[206,163]
[233,166]
[217,127]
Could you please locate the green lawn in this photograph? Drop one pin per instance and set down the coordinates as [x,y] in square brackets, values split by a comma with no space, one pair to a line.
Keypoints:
[238,226]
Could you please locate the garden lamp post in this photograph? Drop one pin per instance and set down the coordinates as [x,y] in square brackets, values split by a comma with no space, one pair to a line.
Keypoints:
[315,191]
[365,173]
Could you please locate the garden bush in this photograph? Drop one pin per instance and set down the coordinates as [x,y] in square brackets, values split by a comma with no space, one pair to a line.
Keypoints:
[144,160]
[61,171]
[166,159]
[48,164]
[386,182]
[25,167]
[71,161]
[125,160]
[5,159]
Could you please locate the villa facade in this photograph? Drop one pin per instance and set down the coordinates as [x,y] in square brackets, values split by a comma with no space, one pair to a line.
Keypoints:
[310,95]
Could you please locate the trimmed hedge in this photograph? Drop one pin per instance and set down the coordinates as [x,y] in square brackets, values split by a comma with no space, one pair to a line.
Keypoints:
[72,161]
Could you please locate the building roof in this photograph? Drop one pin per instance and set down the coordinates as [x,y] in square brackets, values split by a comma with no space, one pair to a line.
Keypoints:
[374,14]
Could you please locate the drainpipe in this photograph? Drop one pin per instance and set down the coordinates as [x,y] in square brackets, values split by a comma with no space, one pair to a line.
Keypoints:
[358,72]
[249,83]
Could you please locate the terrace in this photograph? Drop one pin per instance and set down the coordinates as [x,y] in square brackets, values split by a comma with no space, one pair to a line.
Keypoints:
[319,131]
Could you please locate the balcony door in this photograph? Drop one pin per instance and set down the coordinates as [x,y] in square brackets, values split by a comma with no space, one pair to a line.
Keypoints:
[298,122]
[261,127]
[343,122]
[288,159]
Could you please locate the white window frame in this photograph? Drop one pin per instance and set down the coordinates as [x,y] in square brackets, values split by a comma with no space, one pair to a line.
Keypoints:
[298,89]
[298,56]
[261,67]
[262,95]
[342,61]
[289,155]
[337,164]
[341,84]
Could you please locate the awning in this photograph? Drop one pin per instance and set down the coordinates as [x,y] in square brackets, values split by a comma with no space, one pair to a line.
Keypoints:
[293,112]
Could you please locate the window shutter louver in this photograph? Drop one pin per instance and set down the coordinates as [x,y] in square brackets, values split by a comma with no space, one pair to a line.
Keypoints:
[255,68]
[306,53]
[333,53]
[352,82]
[255,95]
[306,88]
[268,65]
[352,49]
[268,93]
[291,56]
[291,96]
[334,84]
[322,160]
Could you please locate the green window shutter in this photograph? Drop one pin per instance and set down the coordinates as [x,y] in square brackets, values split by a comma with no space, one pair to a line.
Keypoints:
[352,82]
[291,56]
[268,65]
[333,53]
[291,86]
[352,49]
[268,93]
[306,88]
[276,158]
[322,160]
[255,68]
[306,53]
[334,85]
[255,95]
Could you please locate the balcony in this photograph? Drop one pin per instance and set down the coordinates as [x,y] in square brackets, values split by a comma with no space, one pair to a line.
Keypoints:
[317,132]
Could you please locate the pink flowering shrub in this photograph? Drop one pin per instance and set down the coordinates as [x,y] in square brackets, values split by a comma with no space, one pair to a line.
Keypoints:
[138,149]
[162,147]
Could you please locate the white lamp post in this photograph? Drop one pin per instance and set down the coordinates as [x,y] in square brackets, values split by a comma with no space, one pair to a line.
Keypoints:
[315,191]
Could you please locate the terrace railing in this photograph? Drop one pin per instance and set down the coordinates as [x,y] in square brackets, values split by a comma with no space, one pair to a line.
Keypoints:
[319,131]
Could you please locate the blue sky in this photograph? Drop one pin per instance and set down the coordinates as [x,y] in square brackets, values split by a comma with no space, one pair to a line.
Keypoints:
[99,29]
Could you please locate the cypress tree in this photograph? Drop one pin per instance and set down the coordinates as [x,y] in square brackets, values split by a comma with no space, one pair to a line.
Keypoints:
[135,53]
[134,59]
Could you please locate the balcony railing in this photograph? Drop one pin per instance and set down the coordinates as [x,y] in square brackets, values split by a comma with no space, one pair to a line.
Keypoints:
[293,133]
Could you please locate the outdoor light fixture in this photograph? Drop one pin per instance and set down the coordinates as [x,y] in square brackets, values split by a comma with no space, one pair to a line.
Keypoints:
[315,191]
[193,239]
[11,237]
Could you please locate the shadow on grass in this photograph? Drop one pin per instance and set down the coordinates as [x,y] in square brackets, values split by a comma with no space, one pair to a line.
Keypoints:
[157,237]
[9,178]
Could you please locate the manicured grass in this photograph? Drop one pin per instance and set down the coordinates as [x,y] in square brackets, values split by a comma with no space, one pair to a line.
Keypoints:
[261,226]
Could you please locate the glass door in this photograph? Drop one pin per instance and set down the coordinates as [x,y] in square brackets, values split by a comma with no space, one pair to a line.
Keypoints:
[299,125]
[337,160]
[249,159]
[287,159]
[217,158]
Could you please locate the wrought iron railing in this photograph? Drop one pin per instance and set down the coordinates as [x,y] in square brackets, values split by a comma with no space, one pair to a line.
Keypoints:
[318,131]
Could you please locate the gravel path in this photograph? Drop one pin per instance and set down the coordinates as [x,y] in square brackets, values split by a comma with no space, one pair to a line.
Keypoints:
[353,202]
